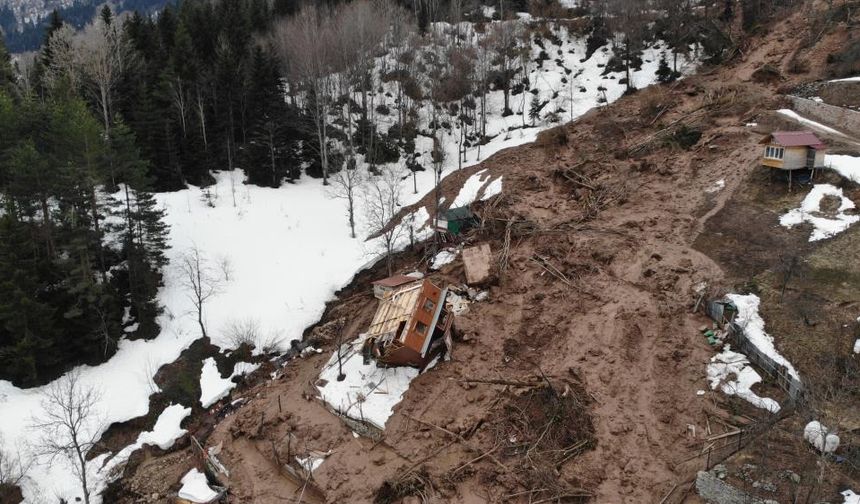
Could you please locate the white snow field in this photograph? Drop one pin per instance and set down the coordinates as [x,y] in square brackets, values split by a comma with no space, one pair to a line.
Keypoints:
[810,210]
[288,251]
[847,166]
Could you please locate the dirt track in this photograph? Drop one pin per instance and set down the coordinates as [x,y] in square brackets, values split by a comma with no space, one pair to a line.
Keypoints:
[623,328]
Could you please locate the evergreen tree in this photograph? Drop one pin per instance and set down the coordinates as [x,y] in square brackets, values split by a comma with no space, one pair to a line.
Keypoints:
[7,73]
[267,152]
[664,71]
[59,306]
[534,108]
[27,332]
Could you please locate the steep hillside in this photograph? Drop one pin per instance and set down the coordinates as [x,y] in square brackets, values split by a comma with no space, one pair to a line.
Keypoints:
[602,236]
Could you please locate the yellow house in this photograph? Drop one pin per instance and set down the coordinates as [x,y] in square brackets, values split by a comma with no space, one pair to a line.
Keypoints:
[793,150]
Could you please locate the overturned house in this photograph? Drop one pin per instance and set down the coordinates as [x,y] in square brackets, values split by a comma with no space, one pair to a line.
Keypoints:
[411,327]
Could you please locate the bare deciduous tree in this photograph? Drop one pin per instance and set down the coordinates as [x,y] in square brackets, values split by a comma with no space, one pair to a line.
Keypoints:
[202,281]
[69,425]
[94,59]
[381,204]
[305,43]
[13,470]
[628,19]
[345,185]
[505,40]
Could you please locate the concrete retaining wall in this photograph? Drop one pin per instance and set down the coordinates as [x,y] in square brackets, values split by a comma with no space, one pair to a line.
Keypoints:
[840,118]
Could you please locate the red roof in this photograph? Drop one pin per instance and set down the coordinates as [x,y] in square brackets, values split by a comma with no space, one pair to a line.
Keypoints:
[395,281]
[796,139]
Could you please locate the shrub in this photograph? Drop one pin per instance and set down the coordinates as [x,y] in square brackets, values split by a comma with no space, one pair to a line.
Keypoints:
[685,137]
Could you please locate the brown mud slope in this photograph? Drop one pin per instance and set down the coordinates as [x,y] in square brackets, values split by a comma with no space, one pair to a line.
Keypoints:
[612,204]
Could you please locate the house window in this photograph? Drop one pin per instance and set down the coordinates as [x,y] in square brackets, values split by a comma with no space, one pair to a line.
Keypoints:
[774,152]
[420,327]
[429,305]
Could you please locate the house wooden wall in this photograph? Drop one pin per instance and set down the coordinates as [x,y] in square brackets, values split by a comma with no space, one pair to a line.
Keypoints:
[794,158]
[414,338]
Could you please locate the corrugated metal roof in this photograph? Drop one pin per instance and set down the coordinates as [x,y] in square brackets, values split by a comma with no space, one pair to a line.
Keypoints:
[395,281]
[796,139]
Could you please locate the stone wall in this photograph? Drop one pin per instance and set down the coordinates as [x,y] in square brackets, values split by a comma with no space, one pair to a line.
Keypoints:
[713,490]
[840,118]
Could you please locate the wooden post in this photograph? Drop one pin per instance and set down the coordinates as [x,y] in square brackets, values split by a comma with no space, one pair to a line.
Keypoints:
[708,460]
[740,437]
[790,172]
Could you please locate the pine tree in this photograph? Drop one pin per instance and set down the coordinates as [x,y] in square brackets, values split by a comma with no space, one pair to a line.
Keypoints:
[534,108]
[267,150]
[145,234]
[7,73]
[27,331]
[664,71]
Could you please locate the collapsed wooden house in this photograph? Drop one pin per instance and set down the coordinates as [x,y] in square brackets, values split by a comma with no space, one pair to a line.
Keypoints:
[411,326]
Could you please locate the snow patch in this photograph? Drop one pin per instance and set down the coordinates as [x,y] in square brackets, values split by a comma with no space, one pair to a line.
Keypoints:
[469,192]
[751,322]
[849,495]
[213,387]
[244,368]
[820,437]
[442,258]
[166,430]
[731,372]
[368,392]
[476,188]
[195,488]
[312,462]
[810,211]
[716,186]
[809,122]
[847,166]
[492,189]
